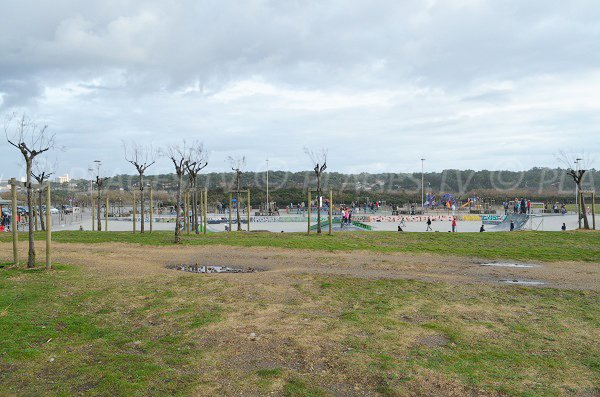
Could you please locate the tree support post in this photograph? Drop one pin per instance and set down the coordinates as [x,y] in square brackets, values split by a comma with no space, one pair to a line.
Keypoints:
[205,220]
[13,220]
[579,213]
[230,208]
[199,213]
[186,210]
[308,212]
[106,214]
[32,212]
[330,211]
[593,211]
[134,212]
[93,213]
[150,213]
[48,229]
[249,209]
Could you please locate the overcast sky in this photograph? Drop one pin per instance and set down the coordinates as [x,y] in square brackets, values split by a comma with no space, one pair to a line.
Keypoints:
[464,83]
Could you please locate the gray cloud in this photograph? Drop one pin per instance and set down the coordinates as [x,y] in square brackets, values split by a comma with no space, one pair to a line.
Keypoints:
[465,83]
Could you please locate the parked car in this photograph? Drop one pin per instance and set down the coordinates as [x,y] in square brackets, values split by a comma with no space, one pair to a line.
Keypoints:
[52,210]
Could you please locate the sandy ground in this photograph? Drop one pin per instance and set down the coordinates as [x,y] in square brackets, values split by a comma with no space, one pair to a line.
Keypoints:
[127,260]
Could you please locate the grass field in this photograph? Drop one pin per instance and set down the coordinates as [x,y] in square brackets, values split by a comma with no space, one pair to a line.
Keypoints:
[547,246]
[80,330]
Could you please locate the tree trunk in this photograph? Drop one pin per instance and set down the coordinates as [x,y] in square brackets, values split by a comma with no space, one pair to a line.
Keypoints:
[40,197]
[142,203]
[318,204]
[178,209]
[586,224]
[31,255]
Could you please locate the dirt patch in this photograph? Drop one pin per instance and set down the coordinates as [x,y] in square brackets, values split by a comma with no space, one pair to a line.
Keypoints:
[433,340]
[127,260]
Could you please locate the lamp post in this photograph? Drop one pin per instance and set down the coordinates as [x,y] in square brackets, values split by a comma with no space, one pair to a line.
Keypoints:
[91,171]
[422,185]
[268,204]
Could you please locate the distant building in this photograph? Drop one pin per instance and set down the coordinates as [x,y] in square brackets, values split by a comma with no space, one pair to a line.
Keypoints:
[63,179]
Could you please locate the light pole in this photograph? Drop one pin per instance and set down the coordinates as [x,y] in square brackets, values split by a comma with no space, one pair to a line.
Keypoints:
[422,186]
[268,204]
[91,171]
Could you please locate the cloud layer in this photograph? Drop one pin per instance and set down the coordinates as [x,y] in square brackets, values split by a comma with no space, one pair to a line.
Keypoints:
[463,83]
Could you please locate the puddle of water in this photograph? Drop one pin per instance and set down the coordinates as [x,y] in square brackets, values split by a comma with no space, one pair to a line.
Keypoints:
[507,264]
[212,269]
[523,282]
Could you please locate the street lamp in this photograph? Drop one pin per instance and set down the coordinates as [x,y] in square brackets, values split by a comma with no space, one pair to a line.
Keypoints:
[91,171]
[268,204]
[422,186]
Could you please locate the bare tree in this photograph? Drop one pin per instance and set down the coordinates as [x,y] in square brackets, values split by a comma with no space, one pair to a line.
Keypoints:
[237,163]
[41,175]
[178,155]
[319,160]
[577,173]
[31,140]
[196,162]
[141,157]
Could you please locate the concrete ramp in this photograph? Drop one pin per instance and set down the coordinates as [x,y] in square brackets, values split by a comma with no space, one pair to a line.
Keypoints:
[337,226]
[520,220]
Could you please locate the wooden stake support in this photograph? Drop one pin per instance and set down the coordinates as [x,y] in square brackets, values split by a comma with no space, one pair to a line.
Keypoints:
[48,229]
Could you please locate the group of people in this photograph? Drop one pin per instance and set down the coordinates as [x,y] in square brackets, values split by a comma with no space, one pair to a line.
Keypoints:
[5,222]
[563,208]
[369,206]
[520,206]
[346,215]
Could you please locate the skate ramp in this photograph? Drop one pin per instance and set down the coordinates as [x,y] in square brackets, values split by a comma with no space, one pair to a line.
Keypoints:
[520,221]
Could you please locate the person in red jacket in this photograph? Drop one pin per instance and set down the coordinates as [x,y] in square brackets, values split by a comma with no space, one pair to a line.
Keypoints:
[453,225]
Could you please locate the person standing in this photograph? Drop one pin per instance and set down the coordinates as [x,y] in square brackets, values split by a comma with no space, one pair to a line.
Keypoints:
[428,225]
[512,225]
[453,224]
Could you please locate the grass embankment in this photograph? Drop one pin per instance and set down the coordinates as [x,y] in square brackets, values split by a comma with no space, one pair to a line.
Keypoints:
[546,246]
[66,332]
